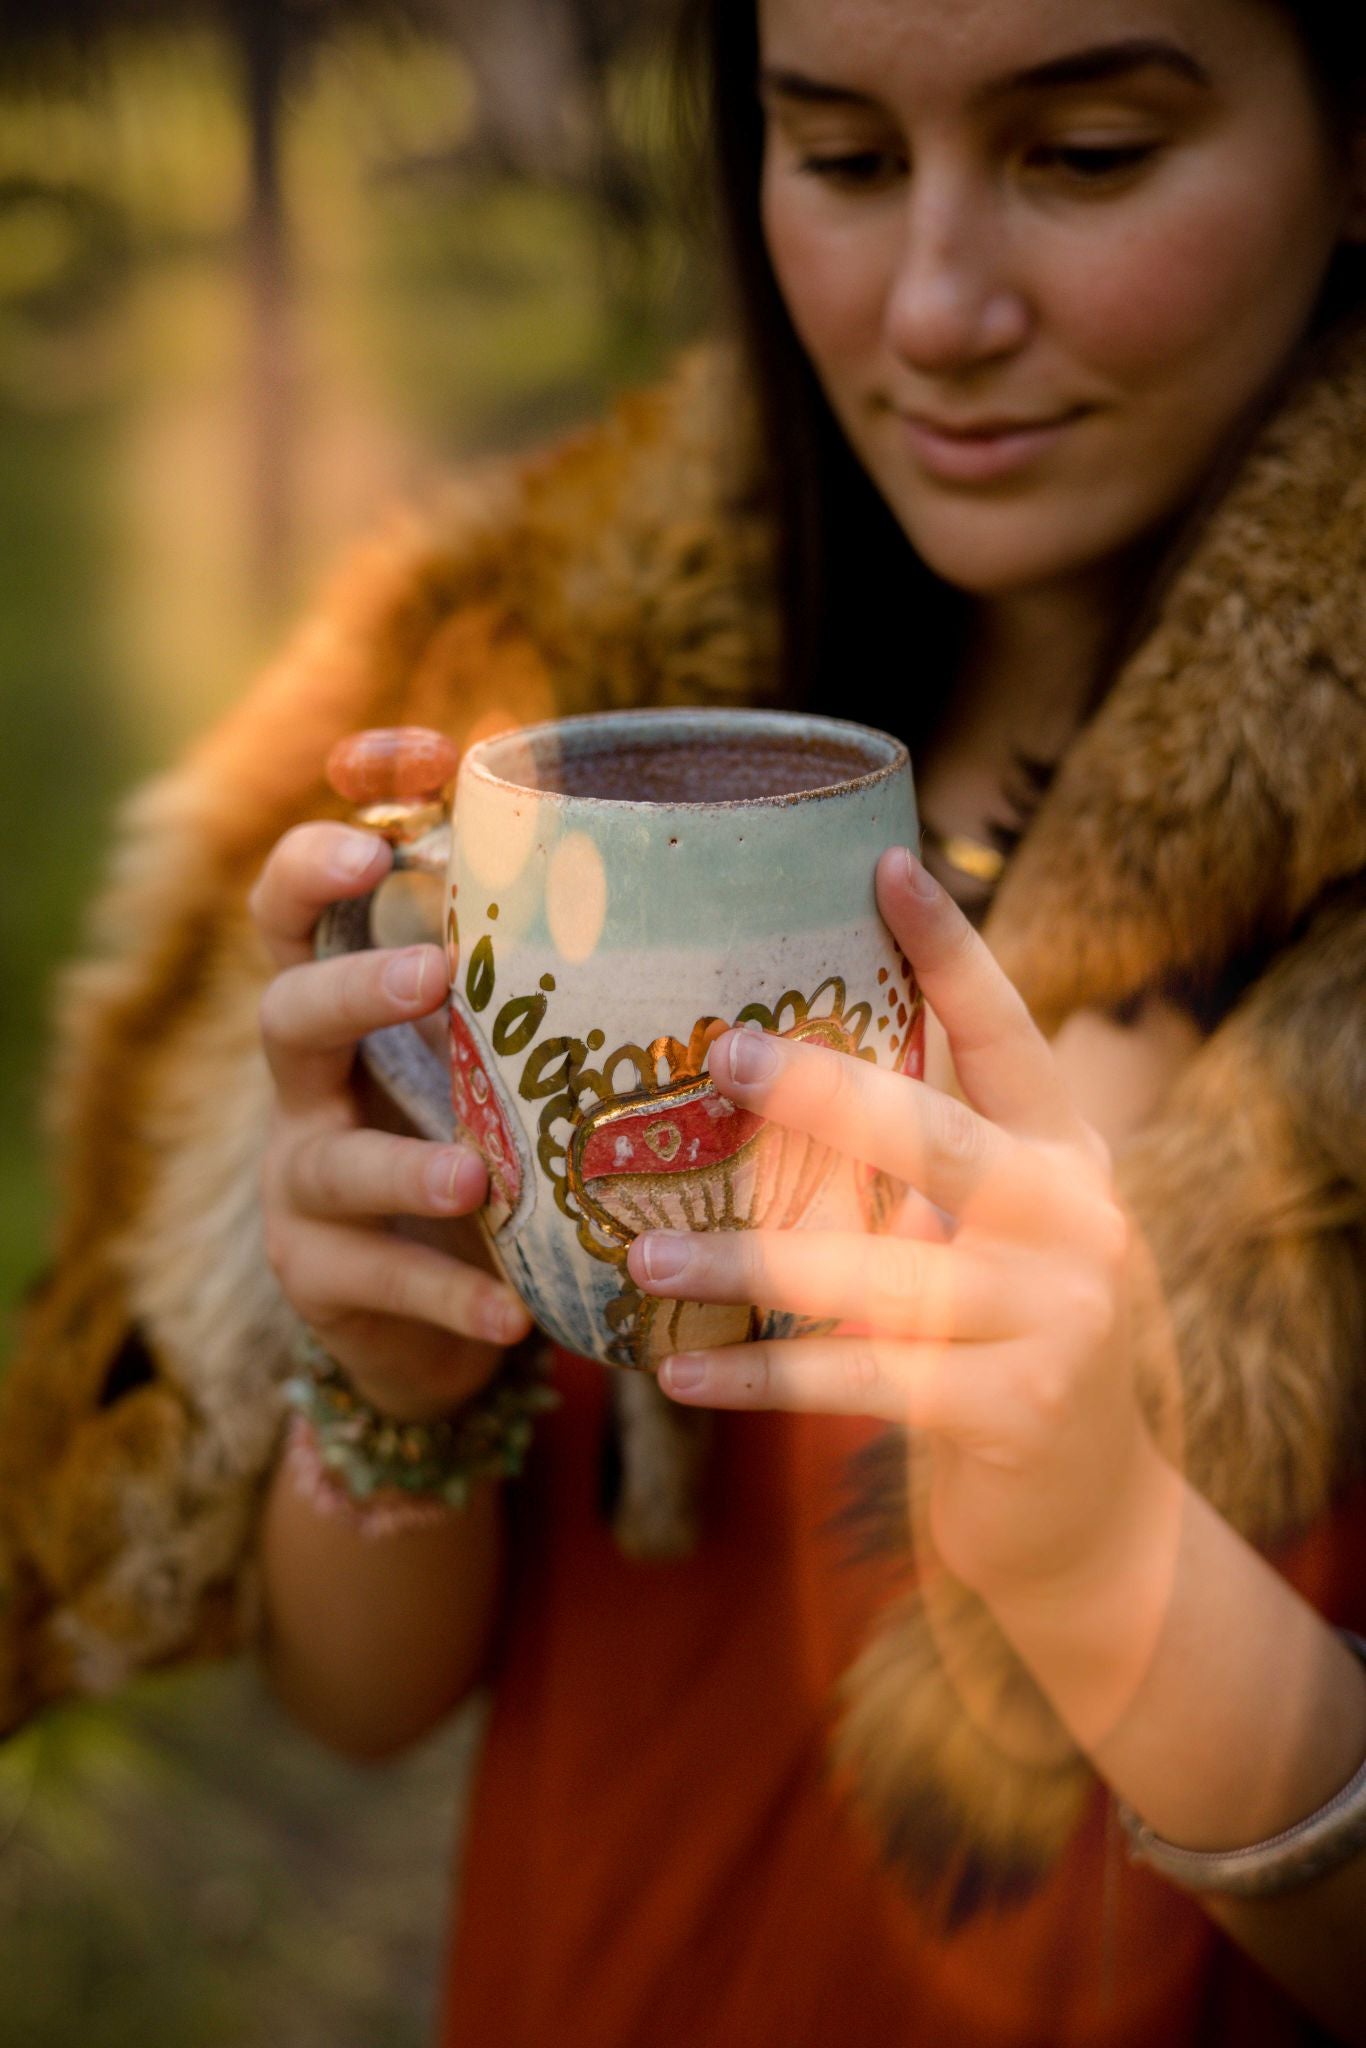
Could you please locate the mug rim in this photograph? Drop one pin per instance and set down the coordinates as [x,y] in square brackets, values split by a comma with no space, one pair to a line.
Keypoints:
[680,718]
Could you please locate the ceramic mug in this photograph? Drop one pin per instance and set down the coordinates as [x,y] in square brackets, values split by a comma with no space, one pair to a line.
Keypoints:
[620,889]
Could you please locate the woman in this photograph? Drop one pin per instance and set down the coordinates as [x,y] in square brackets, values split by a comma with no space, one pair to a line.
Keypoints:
[1075,284]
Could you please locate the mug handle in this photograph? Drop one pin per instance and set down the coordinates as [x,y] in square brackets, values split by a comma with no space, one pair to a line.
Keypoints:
[399,778]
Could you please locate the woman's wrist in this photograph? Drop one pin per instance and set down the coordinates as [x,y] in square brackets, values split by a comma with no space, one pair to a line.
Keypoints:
[385,1512]
[1308,1848]
[473,1364]
[342,1445]
[1089,1630]
[1165,1656]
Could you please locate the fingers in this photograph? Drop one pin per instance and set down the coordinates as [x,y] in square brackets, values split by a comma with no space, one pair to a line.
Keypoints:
[311,866]
[417,1329]
[1005,1404]
[908,1214]
[945,1150]
[918,1385]
[313,1015]
[328,1271]
[342,1174]
[898,1288]
[1003,1061]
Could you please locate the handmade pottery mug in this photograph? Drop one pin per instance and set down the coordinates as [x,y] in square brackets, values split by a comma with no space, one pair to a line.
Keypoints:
[620,889]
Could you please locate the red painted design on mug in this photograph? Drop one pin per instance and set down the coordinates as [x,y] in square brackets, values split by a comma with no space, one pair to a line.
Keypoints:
[679,1136]
[912,1059]
[476,1103]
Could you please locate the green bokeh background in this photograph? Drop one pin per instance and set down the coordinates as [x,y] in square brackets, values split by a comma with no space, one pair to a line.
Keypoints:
[177,1866]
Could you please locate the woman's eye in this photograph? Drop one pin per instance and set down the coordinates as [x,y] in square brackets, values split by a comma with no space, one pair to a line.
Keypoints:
[1091,163]
[855,168]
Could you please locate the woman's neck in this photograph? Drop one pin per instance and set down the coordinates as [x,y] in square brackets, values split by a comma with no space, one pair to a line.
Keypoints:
[1030,673]
[1032,665]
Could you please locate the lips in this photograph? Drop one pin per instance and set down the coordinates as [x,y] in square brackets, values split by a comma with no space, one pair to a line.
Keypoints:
[980,451]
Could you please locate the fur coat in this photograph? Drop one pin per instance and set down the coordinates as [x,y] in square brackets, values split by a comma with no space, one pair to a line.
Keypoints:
[1206,834]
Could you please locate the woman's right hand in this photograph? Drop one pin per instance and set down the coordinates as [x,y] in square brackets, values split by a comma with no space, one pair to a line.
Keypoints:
[417,1329]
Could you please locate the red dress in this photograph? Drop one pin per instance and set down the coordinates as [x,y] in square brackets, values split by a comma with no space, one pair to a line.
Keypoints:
[655,1857]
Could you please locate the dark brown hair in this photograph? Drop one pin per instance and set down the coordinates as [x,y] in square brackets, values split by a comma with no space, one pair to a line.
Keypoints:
[870,632]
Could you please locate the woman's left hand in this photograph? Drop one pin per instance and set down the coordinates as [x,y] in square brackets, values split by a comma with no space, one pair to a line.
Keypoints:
[994,1319]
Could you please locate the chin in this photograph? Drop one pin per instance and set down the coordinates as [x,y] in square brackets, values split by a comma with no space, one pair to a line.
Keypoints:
[996,571]
[989,551]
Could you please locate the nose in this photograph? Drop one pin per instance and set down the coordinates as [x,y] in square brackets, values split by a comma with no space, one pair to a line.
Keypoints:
[954,300]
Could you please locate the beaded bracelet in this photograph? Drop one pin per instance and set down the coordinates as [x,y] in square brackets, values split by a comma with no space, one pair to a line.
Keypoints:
[384,1513]
[1313,1847]
[364,1452]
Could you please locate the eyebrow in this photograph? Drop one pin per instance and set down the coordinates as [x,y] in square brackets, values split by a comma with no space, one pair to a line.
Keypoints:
[1098,66]
[1108,61]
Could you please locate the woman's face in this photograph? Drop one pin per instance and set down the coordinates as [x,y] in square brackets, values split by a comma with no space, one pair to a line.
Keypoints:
[1044,255]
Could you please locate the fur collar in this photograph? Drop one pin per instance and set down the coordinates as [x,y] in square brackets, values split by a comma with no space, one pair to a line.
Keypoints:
[1219,789]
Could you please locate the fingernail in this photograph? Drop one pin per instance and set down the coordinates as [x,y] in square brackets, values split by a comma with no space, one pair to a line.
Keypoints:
[453,1179]
[502,1319]
[665,1254]
[752,1057]
[921,880]
[404,976]
[684,1373]
[352,855]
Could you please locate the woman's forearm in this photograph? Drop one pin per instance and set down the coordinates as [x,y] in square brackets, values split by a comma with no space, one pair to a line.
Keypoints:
[371,1640]
[1221,1708]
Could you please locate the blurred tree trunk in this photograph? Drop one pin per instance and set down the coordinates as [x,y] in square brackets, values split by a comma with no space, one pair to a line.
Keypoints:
[533,111]
[542,72]
[260,32]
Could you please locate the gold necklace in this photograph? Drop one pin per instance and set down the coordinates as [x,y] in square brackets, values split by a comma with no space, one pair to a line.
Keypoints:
[967,856]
